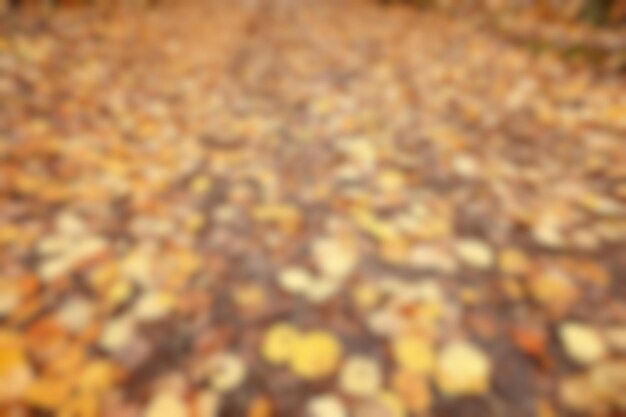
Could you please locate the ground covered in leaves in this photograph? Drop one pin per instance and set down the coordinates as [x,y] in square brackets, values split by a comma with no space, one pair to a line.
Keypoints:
[332,210]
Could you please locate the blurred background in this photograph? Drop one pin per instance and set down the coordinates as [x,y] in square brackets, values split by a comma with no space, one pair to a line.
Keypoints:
[312,208]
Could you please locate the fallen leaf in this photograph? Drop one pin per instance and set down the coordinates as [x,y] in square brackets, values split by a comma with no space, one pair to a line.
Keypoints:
[475,253]
[462,369]
[295,280]
[334,258]
[166,405]
[532,341]
[548,235]
[553,291]
[117,334]
[227,372]
[385,323]
[414,353]
[432,258]
[316,355]
[413,389]
[391,180]
[280,343]
[326,406]
[360,376]
[377,228]
[582,343]
[465,167]
[75,314]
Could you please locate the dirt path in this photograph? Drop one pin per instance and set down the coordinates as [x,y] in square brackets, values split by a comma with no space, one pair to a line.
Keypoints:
[335,209]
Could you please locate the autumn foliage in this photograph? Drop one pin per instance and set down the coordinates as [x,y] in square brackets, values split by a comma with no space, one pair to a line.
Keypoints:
[312,208]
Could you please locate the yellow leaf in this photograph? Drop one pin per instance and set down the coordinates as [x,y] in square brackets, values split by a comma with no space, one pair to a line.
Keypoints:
[138,266]
[475,253]
[166,405]
[334,258]
[414,353]
[75,314]
[361,152]
[463,369]
[465,166]
[582,343]
[119,293]
[227,372]
[432,258]
[316,355]
[295,280]
[117,334]
[154,306]
[360,376]
[279,343]
[379,229]
[326,406]
[391,180]
[553,290]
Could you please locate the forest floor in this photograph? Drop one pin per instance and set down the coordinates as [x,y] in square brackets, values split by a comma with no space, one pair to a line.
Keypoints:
[337,209]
